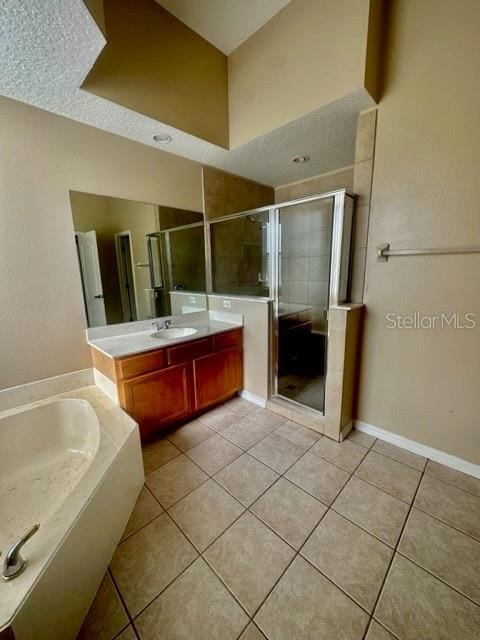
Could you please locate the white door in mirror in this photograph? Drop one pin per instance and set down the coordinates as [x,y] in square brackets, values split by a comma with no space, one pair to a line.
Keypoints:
[91,278]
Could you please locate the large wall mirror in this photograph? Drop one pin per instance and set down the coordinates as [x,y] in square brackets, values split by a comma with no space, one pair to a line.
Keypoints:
[137,261]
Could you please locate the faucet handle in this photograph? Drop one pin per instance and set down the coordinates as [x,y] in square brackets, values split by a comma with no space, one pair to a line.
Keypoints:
[14,564]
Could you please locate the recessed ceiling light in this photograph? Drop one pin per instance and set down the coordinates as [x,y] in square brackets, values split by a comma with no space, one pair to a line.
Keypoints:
[300,159]
[163,138]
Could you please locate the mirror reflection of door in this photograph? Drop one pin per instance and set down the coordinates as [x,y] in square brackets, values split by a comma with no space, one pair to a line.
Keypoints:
[89,262]
[123,250]
[126,263]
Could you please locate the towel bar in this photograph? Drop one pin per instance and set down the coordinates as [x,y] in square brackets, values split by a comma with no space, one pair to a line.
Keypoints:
[384,252]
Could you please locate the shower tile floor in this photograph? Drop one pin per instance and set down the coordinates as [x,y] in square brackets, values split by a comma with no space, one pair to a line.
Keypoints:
[308,390]
[250,526]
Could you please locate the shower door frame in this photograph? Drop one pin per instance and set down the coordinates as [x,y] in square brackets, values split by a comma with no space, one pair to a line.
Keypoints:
[274,242]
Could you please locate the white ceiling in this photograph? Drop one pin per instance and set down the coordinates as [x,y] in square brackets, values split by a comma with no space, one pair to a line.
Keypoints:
[48,48]
[224,23]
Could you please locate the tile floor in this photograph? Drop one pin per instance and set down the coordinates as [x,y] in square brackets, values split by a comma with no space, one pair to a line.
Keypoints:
[250,526]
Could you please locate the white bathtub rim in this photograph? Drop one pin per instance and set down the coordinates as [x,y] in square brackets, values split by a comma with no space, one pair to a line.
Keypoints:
[56,529]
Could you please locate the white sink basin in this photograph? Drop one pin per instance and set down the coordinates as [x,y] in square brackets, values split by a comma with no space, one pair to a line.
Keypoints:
[172,334]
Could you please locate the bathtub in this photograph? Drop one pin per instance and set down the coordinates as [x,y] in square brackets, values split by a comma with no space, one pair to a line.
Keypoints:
[73,465]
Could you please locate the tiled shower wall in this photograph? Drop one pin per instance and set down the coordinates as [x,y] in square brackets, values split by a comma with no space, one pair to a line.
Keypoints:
[362,187]
[224,193]
[306,236]
[357,179]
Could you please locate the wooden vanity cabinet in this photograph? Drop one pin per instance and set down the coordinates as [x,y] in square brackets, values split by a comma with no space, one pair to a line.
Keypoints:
[216,377]
[158,398]
[165,386]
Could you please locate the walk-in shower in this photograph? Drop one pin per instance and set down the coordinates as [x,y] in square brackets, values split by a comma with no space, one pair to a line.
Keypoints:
[297,255]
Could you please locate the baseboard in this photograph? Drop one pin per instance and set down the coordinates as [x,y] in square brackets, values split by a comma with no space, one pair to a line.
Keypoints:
[436,455]
[251,397]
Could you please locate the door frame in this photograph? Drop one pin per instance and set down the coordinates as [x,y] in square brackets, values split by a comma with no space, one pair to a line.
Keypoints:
[126,299]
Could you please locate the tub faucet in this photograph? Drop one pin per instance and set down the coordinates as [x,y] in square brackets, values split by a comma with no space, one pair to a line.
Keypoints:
[14,564]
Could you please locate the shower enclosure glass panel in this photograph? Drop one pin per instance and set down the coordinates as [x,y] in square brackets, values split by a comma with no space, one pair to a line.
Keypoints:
[304,259]
[297,254]
[240,255]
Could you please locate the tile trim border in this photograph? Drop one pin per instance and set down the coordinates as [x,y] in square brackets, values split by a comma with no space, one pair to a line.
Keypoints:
[251,397]
[459,464]
[44,388]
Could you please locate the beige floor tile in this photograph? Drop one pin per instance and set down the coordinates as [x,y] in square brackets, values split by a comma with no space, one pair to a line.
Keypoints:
[376,511]
[358,437]
[219,418]
[214,454]
[241,406]
[447,553]
[452,476]
[252,633]
[149,560]
[190,434]
[174,480]
[246,433]
[289,511]
[195,607]
[352,558]
[318,477]
[449,504]
[106,617]
[205,513]
[304,606]
[400,455]
[346,454]
[249,558]
[377,632]
[416,605]
[267,418]
[391,476]
[145,510]
[128,634]
[246,478]
[157,453]
[276,452]
[297,434]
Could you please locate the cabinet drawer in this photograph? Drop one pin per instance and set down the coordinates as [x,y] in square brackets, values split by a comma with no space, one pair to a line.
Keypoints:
[227,340]
[142,363]
[189,351]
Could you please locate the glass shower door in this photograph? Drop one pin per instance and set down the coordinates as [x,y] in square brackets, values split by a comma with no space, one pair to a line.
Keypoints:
[303,266]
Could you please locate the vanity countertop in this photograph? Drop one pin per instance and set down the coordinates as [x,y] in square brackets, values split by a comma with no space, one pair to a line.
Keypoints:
[118,341]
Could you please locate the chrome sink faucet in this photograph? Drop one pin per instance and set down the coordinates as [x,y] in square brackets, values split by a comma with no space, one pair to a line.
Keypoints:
[14,564]
[165,324]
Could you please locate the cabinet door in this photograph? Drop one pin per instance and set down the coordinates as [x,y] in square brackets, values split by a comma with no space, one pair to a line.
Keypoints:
[157,398]
[217,377]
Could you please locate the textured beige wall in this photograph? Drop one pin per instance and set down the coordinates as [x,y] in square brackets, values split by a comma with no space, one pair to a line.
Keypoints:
[43,157]
[310,54]
[423,384]
[156,65]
